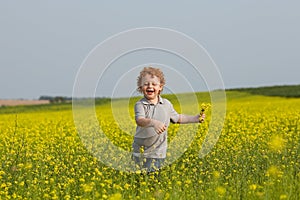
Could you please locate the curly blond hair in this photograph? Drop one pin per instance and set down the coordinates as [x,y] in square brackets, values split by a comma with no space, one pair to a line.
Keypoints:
[153,72]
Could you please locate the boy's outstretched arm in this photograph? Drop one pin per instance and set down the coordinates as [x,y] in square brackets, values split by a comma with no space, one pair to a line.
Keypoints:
[185,119]
[158,126]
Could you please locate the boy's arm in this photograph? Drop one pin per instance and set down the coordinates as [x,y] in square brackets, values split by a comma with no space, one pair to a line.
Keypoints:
[143,122]
[185,119]
[158,126]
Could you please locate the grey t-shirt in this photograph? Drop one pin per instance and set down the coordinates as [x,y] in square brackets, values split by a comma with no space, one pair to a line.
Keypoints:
[155,145]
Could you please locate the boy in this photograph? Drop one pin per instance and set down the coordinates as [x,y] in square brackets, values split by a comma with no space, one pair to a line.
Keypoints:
[153,115]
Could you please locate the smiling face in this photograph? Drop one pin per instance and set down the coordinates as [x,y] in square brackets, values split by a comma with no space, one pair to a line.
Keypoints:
[151,87]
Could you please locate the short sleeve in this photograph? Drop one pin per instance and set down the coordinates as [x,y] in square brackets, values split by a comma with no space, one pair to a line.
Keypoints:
[174,116]
[139,110]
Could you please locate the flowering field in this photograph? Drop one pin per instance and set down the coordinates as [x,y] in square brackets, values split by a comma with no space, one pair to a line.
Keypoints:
[256,157]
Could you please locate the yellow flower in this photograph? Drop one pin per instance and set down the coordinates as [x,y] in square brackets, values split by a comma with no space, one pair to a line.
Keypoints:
[88,187]
[216,174]
[253,187]
[188,182]
[283,196]
[126,186]
[221,190]
[179,183]
[167,196]
[273,171]
[116,196]
[28,166]
[277,143]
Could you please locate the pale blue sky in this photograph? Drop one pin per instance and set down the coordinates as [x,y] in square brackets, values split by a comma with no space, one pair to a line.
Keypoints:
[43,43]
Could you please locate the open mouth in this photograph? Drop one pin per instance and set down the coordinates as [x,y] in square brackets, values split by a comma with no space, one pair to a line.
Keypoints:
[150,91]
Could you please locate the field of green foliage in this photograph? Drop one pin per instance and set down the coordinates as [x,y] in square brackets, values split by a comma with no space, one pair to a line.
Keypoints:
[256,157]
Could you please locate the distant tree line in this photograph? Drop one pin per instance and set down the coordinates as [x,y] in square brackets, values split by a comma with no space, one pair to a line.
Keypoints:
[63,99]
[277,90]
[56,99]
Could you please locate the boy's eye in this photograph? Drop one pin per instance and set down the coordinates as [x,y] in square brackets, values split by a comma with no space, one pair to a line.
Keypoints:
[147,84]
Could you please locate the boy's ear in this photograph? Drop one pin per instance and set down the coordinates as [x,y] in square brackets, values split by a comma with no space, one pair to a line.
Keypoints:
[160,89]
[140,89]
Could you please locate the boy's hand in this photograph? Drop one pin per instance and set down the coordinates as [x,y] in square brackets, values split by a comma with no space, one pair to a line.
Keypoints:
[159,127]
[202,117]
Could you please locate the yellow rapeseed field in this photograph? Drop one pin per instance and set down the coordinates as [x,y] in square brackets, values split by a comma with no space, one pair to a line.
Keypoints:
[256,157]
